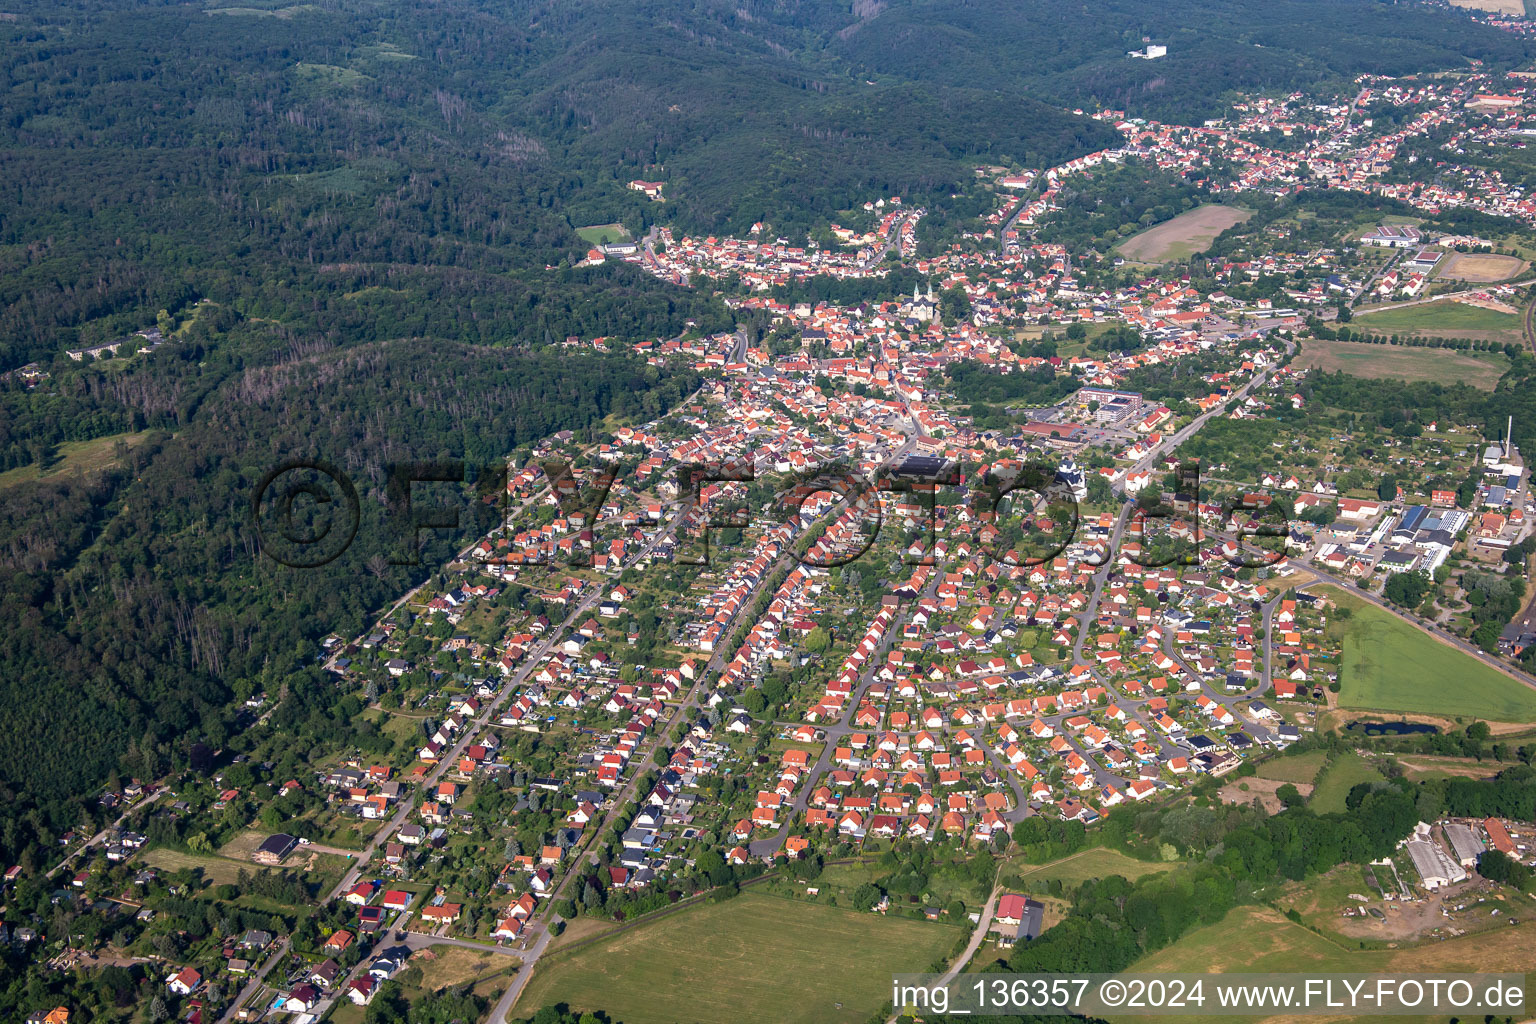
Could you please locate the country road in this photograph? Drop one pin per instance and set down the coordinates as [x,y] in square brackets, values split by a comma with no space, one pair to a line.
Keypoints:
[978,936]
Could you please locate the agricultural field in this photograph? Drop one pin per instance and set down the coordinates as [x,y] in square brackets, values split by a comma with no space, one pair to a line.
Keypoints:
[840,961]
[1514,7]
[1394,362]
[1389,664]
[1183,236]
[1444,318]
[1482,268]
[603,234]
[1344,772]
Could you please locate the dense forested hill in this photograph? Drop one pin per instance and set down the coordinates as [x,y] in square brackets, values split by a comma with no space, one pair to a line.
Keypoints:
[1074,52]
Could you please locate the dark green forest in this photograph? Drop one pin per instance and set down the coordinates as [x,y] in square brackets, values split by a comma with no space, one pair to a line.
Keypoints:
[1074,53]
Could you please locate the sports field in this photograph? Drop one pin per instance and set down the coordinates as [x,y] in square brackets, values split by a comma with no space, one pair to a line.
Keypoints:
[1390,664]
[1481,268]
[1396,362]
[1183,236]
[602,234]
[754,958]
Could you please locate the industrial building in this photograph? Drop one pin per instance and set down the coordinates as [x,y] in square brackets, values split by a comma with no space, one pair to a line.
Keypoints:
[1465,845]
[1434,865]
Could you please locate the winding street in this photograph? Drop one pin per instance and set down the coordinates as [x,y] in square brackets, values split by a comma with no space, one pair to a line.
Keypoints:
[100,837]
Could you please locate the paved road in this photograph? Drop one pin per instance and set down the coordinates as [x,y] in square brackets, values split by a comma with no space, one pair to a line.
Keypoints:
[892,237]
[451,757]
[835,731]
[838,730]
[1433,630]
[519,981]
[254,985]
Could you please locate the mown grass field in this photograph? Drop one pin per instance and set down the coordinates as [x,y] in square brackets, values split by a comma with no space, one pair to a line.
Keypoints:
[751,959]
[1395,362]
[1389,664]
[1297,769]
[1184,235]
[1095,863]
[1344,772]
[602,234]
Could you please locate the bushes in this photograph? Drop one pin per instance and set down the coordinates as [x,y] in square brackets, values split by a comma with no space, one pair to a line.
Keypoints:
[1500,867]
[1114,922]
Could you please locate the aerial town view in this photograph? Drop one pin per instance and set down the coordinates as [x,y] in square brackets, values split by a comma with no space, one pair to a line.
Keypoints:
[848,511]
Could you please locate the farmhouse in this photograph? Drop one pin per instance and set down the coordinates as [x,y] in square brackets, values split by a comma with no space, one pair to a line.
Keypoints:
[1017,917]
